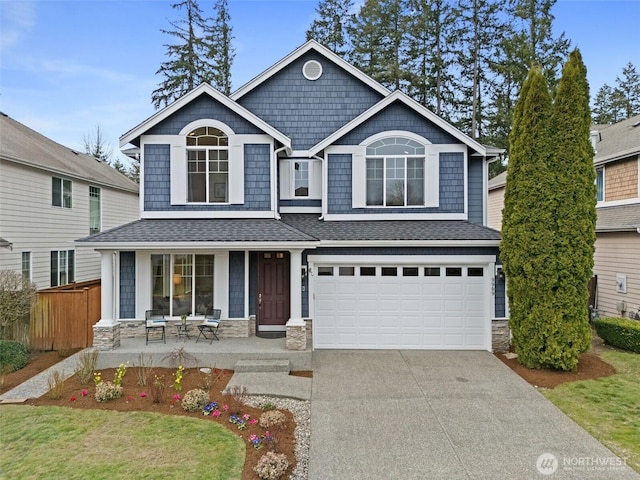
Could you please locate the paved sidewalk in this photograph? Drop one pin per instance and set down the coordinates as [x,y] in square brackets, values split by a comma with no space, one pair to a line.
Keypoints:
[441,415]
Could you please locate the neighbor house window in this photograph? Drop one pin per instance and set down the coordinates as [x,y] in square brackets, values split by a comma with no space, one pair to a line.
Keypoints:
[600,184]
[94,210]
[60,192]
[301,179]
[62,267]
[26,266]
[182,284]
[207,166]
[395,173]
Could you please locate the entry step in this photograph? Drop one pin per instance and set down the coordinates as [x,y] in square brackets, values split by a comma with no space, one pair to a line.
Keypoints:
[245,366]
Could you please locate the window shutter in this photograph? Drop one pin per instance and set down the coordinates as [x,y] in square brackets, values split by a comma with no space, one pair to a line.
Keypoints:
[236,171]
[178,162]
[285,179]
[432,174]
[315,178]
[359,179]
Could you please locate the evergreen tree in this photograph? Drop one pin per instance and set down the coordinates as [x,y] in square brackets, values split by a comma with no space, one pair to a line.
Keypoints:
[527,238]
[187,63]
[572,177]
[629,90]
[219,51]
[429,37]
[366,35]
[331,25]
[604,109]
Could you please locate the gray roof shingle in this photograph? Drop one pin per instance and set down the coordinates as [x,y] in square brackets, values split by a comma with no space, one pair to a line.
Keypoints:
[19,143]
[618,140]
[618,218]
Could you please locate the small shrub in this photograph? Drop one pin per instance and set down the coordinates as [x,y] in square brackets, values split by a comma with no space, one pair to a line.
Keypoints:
[619,332]
[87,361]
[56,384]
[106,391]
[210,376]
[267,406]
[194,400]
[273,419]
[157,389]
[179,356]
[145,367]
[271,466]
[13,355]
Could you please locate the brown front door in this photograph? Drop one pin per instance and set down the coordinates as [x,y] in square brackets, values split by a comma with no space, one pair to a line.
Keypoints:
[273,290]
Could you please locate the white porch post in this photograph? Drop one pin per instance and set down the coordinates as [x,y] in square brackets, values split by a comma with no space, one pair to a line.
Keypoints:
[296,327]
[296,285]
[106,333]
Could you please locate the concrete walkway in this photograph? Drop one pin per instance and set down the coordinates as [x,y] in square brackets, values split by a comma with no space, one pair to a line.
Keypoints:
[442,415]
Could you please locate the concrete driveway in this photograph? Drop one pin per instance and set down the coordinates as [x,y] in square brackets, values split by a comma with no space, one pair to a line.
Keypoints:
[442,415]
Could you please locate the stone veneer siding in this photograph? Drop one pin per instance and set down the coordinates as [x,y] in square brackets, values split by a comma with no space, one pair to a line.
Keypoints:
[106,337]
[500,335]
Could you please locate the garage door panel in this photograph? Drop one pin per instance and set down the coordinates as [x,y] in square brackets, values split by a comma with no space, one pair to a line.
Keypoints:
[416,312]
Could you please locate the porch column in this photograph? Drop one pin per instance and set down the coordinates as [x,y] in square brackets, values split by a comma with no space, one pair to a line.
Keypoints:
[296,284]
[296,327]
[106,333]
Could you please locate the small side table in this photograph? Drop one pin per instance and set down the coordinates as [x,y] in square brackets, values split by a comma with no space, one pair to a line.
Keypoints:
[183,330]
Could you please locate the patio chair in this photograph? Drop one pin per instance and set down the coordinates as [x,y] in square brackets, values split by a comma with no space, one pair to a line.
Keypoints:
[209,327]
[155,321]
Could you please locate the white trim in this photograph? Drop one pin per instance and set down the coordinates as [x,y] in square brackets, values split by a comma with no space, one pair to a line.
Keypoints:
[177,247]
[408,243]
[616,156]
[209,213]
[617,203]
[304,70]
[411,260]
[409,102]
[395,216]
[207,122]
[246,283]
[139,130]
[395,133]
[300,209]
[299,52]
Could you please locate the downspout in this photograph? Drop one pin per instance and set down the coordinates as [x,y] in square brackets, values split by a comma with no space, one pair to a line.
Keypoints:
[324,183]
[274,196]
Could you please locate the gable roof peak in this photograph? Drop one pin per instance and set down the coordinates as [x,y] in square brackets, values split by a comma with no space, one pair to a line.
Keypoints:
[306,47]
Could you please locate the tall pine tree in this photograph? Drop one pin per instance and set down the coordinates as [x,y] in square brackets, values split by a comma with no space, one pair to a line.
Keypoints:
[527,236]
[572,178]
[331,25]
[219,50]
[629,88]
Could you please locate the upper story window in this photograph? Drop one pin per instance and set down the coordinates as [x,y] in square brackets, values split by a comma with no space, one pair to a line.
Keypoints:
[94,210]
[301,179]
[60,192]
[207,166]
[600,184]
[395,173]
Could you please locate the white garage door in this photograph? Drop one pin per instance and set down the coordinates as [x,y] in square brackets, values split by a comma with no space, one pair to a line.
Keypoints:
[407,307]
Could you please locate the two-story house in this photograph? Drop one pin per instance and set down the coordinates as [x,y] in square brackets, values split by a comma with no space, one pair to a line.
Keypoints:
[311,196]
[51,195]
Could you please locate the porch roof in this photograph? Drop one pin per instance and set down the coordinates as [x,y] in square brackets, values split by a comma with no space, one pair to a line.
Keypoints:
[620,218]
[180,231]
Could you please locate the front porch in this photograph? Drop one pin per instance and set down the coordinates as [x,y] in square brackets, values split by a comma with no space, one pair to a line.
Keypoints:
[224,353]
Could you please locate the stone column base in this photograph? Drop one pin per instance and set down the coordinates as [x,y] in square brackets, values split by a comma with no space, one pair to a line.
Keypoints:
[296,335]
[500,335]
[106,337]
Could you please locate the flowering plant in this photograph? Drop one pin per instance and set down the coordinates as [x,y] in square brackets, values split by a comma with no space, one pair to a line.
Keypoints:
[142,394]
[209,408]
[239,422]
[97,378]
[255,441]
[177,382]
[84,393]
[120,372]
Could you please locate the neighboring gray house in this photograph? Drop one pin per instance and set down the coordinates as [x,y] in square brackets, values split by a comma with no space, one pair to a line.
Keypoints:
[311,197]
[51,195]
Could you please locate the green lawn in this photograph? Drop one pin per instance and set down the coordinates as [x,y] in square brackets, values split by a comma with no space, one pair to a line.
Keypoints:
[608,408]
[55,442]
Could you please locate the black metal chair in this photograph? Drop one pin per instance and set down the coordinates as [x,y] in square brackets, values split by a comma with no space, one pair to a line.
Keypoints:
[154,320]
[209,327]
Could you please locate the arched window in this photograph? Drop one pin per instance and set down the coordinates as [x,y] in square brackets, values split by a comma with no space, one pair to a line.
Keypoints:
[207,166]
[395,173]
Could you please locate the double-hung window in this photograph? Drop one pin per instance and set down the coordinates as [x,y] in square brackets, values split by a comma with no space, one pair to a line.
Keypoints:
[301,179]
[207,166]
[60,192]
[600,184]
[62,267]
[395,173]
[94,210]
[26,266]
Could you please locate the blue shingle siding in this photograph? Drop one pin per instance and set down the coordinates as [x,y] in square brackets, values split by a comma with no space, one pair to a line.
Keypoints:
[476,197]
[309,111]
[236,285]
[500,298]
[127,284]
[203,107]
[257,181]
[253,281]
[300,202]
[397,116]
[339,187]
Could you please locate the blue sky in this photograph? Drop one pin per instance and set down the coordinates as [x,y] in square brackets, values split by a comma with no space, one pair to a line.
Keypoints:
[66,66]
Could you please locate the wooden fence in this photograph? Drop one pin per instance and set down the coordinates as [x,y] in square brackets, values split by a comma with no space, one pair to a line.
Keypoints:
[63,317]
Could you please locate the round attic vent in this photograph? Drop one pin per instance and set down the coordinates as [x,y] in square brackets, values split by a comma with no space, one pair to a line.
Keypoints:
[312,70]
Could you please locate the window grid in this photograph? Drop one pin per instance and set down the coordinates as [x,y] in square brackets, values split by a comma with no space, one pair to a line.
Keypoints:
[207,167]
[26,266]
[95,220]
[62,267]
